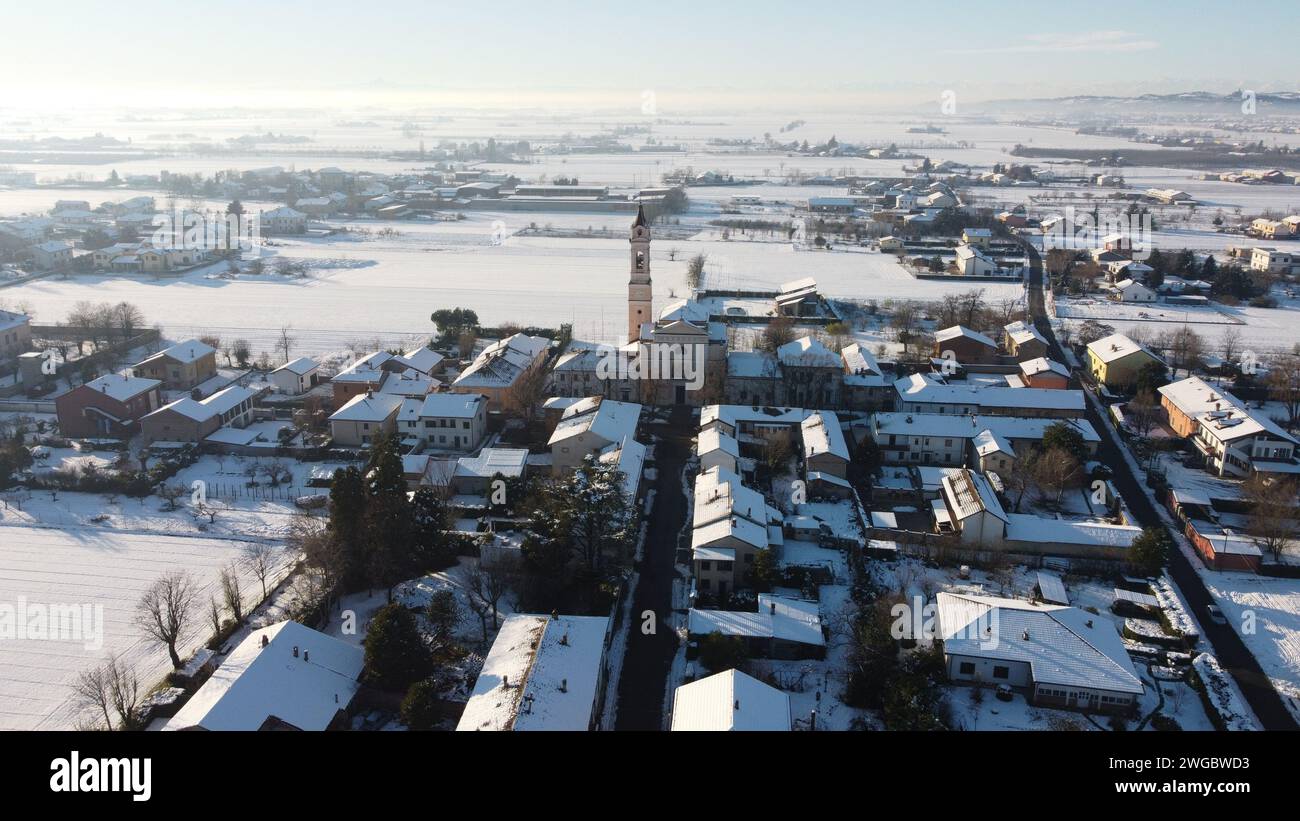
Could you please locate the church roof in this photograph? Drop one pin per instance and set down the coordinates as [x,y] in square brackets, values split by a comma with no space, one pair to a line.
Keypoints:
[640,216]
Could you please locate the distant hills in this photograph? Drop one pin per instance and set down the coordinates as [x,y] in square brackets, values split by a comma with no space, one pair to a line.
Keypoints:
[1267,103]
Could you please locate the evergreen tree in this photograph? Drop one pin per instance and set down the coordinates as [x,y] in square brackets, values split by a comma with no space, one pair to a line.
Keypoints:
[396,653]
[347,511]
[431,548]
[1066,437]
[386,529]
[1150,551]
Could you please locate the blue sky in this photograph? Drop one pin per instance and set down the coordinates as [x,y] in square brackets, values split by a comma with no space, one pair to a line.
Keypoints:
[853,52]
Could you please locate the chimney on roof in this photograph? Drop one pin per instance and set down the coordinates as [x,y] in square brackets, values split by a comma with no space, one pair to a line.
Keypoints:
[771,607]
[555,616]
[295,651]
[265,640]
[812,721]
[564,640]
[737,705]
[564,685]
[505,682]
[306,655]
[1024,636]
[1088,622]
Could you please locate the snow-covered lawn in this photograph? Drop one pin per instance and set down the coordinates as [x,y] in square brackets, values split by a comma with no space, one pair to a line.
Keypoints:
[86,566]
[1265,612]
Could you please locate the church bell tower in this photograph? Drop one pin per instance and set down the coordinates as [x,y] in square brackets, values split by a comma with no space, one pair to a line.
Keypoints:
[639,296]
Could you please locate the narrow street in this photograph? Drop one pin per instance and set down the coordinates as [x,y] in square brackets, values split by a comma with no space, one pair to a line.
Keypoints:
[649,657]
[1228,647]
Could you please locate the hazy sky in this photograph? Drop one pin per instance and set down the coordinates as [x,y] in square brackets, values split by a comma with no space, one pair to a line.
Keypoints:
[608,53]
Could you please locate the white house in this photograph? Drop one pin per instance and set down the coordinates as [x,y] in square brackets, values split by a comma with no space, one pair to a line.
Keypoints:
[730,701]
[1060,656]
[443,421]
[283,677]
[543,673]
[1128,290]
[296,377]
[971,262]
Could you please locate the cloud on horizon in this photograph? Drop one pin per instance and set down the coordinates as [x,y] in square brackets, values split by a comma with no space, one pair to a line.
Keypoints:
[1076,42]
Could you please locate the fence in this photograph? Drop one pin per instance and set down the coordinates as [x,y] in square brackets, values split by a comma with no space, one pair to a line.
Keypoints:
[281,493]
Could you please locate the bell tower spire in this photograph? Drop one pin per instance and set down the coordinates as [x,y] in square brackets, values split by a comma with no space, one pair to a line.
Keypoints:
[639,289]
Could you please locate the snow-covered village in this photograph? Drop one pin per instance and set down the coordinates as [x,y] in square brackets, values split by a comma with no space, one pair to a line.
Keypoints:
[973,405]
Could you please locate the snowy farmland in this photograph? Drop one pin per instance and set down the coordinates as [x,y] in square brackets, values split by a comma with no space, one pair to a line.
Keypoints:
[386,287]
[90,566]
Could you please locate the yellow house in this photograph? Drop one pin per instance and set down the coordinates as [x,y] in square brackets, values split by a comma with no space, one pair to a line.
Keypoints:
[1115,361]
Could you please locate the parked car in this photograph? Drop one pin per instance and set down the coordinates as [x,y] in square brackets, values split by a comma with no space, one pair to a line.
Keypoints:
[1215,614]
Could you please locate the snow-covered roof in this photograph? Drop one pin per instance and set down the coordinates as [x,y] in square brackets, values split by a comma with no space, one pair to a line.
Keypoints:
[777,617]
[1062,645]
[732,415]
[966,427]
[366,369]
[859,361]
[969,493]
[191,350]
[714,440]
[122,387]
[508,462]
[628,456]
[542,673]
[751,365]
[988,441]
[1023,527]
[962,331]
[931,389]
[215,405]
[720,494]
[1021,332]
[1117,346]
[10,320]
[301,677]
[730,700]
[610,420]
[368,407]
[1194,396]
[807,352]
[301,366]
[1033,367]
[425,359]
[451,405]
[822,434]
[502,362]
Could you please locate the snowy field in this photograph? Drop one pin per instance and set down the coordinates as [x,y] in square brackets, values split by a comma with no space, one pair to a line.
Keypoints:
[386,288]
[100,568]
[1266,614]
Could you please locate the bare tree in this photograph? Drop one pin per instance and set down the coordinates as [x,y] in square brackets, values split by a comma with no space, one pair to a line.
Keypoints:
[486,587]
[230,591]
[1143,412]
[1284,383]
[164,610]
[285,342]
[526,395]
[261,559]
[1272,524]
[111,688]
[170,494]
[1230,345]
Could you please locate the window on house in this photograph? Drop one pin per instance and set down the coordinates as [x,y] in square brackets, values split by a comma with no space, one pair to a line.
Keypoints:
[1001,672]
[967,668]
